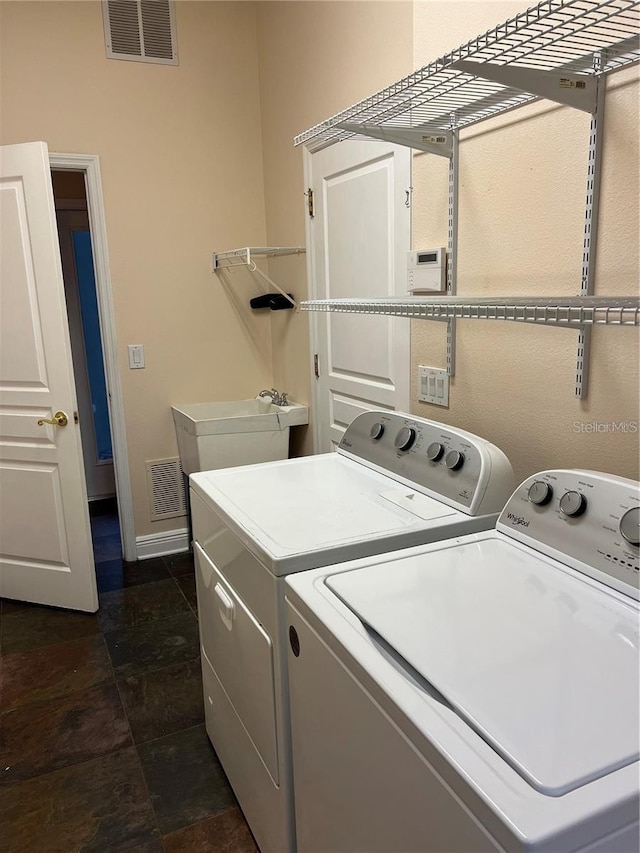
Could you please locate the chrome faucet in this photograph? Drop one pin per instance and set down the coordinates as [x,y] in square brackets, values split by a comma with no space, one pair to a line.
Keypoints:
[277,398]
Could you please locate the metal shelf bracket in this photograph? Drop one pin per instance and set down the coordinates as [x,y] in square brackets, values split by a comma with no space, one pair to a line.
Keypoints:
[572,90]
[430,140]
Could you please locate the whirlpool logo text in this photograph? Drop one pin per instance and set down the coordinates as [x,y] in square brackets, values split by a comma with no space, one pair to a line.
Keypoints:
[517,520]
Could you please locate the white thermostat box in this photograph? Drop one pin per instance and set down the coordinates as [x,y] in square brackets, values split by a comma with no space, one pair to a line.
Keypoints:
[427,270]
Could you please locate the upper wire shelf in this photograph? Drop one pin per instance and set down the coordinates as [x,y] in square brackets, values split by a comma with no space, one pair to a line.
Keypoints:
[570,312]
[557,36]
[244,256]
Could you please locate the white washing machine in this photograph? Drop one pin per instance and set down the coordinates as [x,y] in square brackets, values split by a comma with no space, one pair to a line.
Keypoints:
[477,694]
[395,481]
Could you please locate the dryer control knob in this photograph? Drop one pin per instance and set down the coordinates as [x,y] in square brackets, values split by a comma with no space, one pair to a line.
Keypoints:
[573,504]
[630,526]
[405,438]
[435,451]
[454,460]
[376,432]
[540,493]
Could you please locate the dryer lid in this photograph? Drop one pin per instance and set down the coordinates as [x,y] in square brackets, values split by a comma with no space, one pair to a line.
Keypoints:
[543,665]
[302,505]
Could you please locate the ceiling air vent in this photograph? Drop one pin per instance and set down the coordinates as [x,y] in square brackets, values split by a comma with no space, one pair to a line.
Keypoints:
[142,30]
[166,486]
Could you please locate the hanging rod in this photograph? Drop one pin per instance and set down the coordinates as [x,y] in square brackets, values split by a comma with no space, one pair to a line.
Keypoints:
[557,37]
[570,312]
[244,257]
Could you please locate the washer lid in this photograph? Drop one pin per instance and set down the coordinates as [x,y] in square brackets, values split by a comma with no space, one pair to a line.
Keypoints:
[545,666]
[302,505]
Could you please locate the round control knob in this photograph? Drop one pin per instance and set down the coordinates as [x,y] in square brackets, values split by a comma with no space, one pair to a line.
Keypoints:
[376,432]
[540,493]
[405,438]
[573,504]
[435,451]
[630,526]
[454,460]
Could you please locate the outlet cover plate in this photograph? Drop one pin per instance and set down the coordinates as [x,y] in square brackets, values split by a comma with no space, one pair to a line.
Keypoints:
[433,385]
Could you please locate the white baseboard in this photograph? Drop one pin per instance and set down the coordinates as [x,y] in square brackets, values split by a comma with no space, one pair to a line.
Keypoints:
[160,544]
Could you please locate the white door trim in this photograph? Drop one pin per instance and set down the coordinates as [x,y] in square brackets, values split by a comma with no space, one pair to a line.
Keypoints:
[90,165]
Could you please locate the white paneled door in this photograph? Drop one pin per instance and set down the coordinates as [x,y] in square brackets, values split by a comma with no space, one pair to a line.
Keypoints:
[45,537]
[359,237]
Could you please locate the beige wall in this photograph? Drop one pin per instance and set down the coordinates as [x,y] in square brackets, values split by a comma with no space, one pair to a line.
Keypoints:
[200,157]
[522,198]
[180,154]
[316,58]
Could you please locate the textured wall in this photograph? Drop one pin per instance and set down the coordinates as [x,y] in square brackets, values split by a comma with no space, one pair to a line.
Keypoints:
[316,58]
[181,161]
[522,198]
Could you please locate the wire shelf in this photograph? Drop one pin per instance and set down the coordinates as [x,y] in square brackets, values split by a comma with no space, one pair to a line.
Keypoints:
[569,312]
[245,255]
[558,36]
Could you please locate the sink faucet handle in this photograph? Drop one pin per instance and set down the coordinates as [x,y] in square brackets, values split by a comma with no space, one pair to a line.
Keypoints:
[282,399]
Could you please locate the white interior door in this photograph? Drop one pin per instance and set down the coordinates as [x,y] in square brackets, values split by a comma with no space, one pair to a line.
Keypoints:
[359,238]
[46,554]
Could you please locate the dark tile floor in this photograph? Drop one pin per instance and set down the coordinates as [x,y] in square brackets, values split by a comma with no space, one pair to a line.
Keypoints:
[102,738]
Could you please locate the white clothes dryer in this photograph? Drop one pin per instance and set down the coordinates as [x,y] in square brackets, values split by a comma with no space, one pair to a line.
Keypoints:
[476,694]
[395,481]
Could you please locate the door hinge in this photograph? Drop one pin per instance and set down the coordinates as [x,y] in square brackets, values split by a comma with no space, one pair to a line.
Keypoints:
[309,195]
[76,419]
[316,365]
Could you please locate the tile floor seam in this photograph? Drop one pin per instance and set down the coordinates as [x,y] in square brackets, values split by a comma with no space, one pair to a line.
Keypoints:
[144,778]
[86,760]
[7,785]
[149,622]
[5,654]
[191,608]
[134,745]
[233,808]
[81,764]
[36,702]
[177,732]
[120,681]
[156,669]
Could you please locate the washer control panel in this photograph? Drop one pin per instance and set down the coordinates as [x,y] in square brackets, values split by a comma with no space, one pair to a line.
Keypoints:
[590,517]
[463,469]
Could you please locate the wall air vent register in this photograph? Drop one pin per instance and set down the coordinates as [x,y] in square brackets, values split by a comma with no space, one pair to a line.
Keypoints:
[141,30]
[166,489]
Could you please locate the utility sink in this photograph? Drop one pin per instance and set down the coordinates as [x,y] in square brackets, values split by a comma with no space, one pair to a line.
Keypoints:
[236,432]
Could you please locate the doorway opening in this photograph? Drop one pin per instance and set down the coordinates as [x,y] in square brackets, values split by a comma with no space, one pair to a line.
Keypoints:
[77,194]
[76,253]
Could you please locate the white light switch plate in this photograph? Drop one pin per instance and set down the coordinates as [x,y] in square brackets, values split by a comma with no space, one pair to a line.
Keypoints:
[136,356]
[433,385]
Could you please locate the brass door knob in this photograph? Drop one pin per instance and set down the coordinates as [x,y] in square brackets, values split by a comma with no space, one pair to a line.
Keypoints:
[59,419]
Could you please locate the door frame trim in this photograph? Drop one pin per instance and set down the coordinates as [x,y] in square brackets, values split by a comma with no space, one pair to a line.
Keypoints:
[89,164]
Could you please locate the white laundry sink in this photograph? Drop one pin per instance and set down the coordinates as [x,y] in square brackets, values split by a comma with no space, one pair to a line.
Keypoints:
[235,432]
